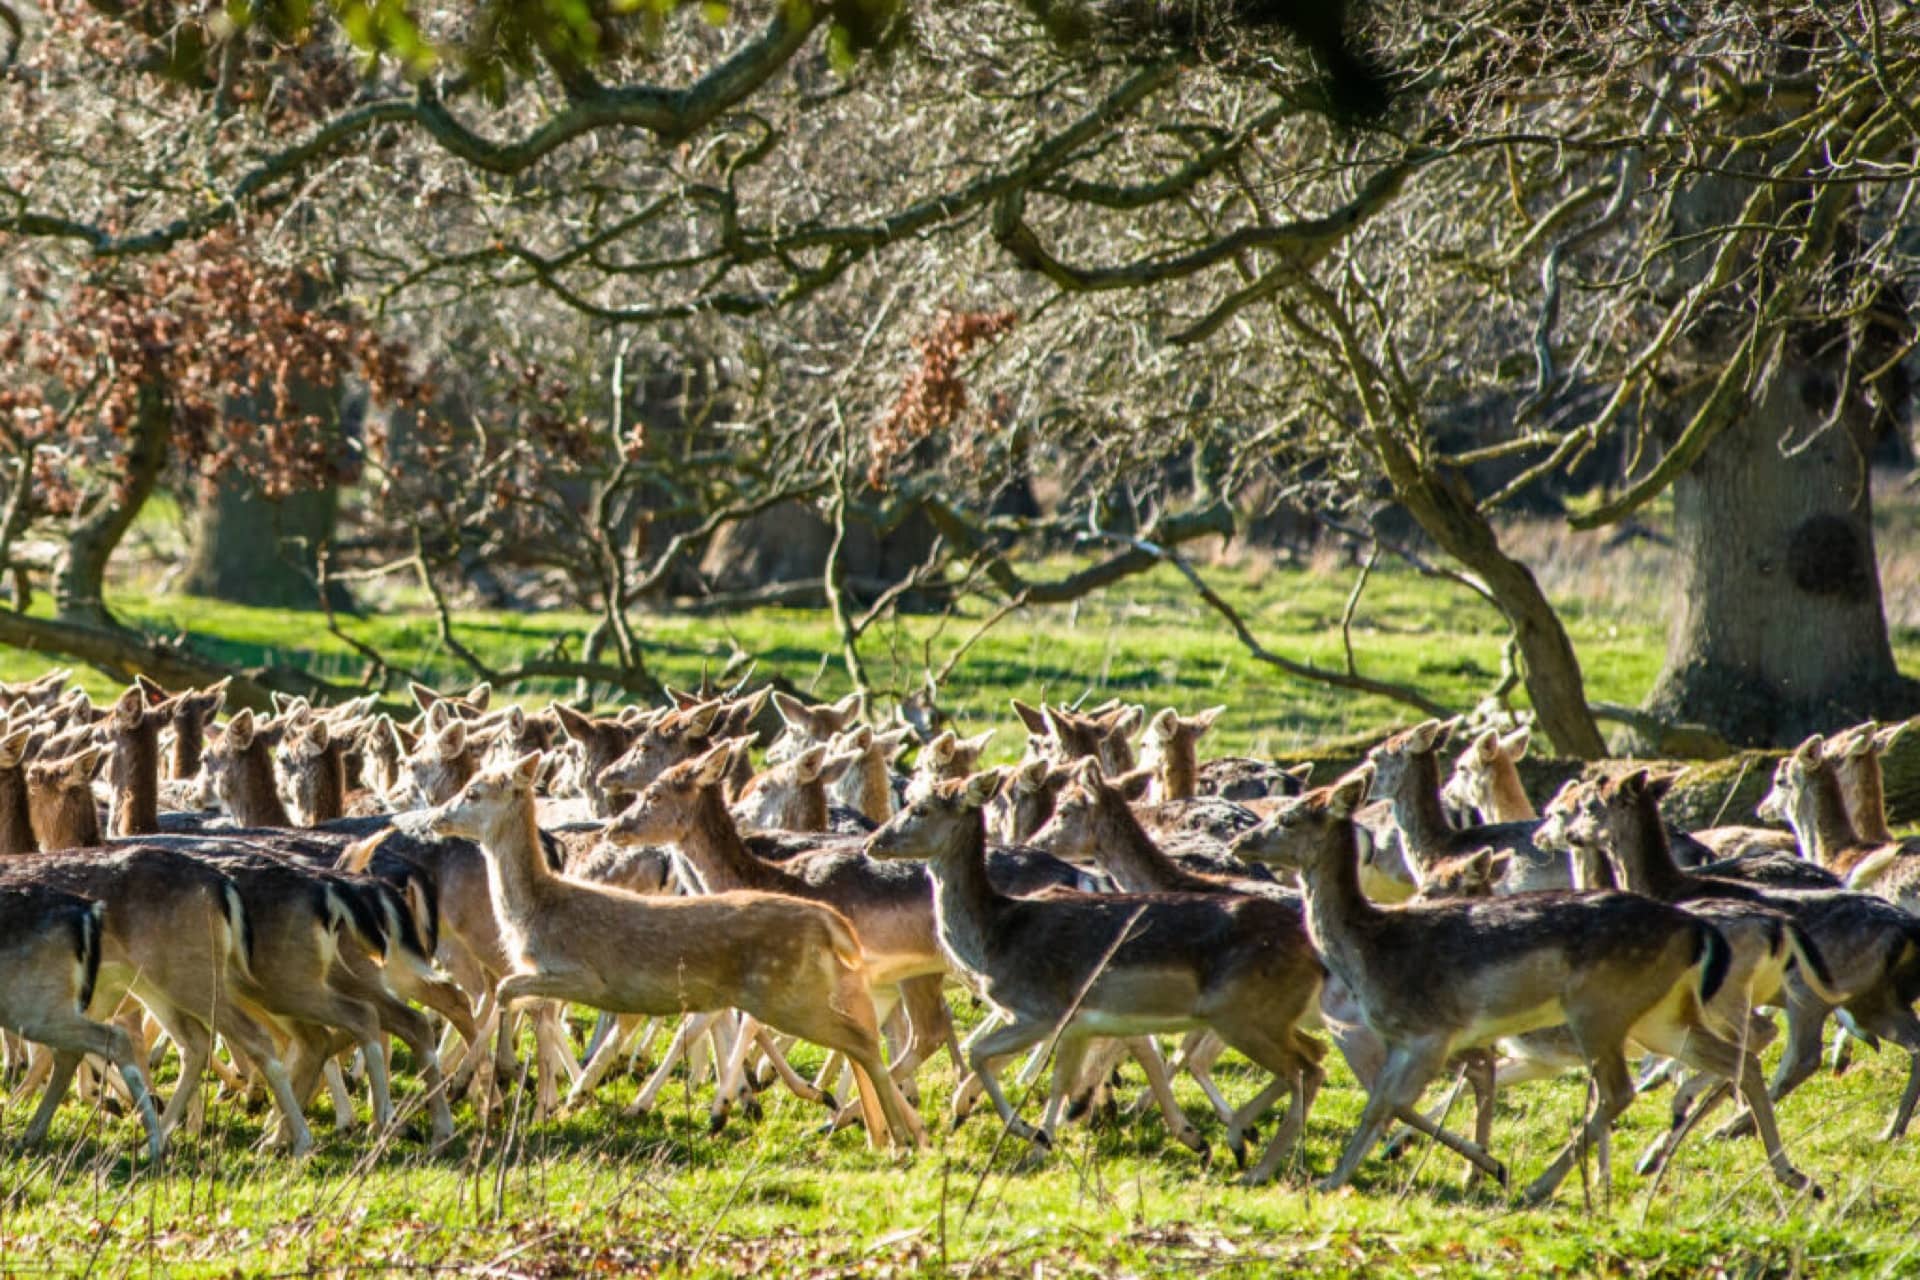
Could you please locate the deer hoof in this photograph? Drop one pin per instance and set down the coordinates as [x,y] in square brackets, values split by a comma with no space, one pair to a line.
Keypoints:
[716,1122]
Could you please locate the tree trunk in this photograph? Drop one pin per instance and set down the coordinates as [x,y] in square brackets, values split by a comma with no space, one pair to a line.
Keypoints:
[1446,510]
[248,549]
[79,580]
[1777,628]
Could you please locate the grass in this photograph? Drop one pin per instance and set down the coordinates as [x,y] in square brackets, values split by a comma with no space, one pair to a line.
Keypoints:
[600,1192]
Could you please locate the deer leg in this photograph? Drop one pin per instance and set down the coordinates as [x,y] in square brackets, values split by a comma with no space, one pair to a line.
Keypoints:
[1160,1085]
[690,1029]
[1613,1086]
[1001,1043]
[1408,1067]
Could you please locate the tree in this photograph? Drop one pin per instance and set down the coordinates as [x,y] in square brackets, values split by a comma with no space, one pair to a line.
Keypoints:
[1211,253]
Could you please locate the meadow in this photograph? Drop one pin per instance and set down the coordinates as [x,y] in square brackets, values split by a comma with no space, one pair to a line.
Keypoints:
[601,1192]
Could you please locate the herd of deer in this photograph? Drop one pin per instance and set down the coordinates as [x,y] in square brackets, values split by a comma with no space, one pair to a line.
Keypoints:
[307,887]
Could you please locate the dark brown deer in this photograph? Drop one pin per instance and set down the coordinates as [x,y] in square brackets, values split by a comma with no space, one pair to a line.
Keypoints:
[1435,978]
[1113,965]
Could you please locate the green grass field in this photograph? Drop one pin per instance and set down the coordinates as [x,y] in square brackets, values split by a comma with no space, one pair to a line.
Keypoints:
[602,1192]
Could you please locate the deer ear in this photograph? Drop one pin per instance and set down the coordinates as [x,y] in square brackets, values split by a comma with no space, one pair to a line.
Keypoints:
[712,764]
[1086,773]
[129,707]
[807,765]
[1031,775]
[1348,794]
[516,720]
[980,788]
[1481,862]
[1133,786]
[1516,743]
[241,729]
[1486,747]
[1032,717]
[13,747]
[1300,772]
[480,695]
[836,768]
[525,771]
[1499,864]
[1127,722]
[1422,737]
[941,749]
[700,719]
[1811,751]
[1164,723]
[452,740]
[793,712]
[1205,720]
[1635,781]
[977,743]
[319,737]
[1659,786]
[1058,727]
[1890,735]
[853,704]
[1446,731]
[423,697]
[572,723]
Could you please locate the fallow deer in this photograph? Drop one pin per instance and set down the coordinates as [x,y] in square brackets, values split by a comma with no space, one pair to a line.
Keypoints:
[1806,793]
[1859,952]
[1434,978]
[795,966]
[1113,965]
[239,764]
[175,936]
[50,952]
[1407,772]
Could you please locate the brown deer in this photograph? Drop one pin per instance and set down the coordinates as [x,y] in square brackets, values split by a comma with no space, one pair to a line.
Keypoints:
[1111,965]
[795,966]
[791,795]
[1434,978]
[60,802]
[313,769]
[191,712]
[16,824]
[1806,793]
[239,764]
[891,913]
[1407,773]
[50,950]
[1856,761]
[1171,750]
[175,936]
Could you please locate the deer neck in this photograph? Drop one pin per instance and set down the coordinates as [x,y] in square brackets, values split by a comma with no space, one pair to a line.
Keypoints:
[1337,910]
[1177,772]
[66,818]
[1507,800]
[322,787]
[256,800]
[712,845]
[964,900]
[189,743]
[1417,810]
[1865,793]
[1645,855]
[517,871]
[136,781]
[868,788]
[1833,841]
[16,826]
[1123,847]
